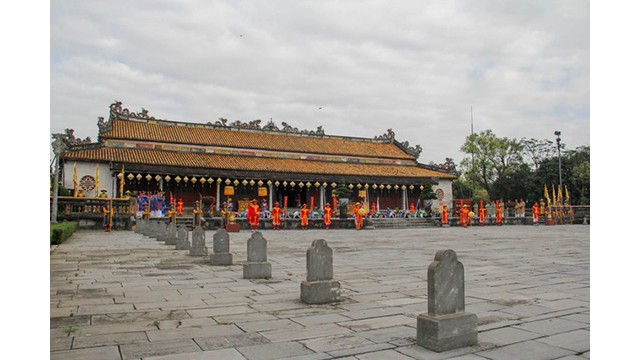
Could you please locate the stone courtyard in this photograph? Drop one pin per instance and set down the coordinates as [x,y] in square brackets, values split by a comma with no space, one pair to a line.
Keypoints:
[122,295]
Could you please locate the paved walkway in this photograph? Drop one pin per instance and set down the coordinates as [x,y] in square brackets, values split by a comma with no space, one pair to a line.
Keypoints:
[122,295]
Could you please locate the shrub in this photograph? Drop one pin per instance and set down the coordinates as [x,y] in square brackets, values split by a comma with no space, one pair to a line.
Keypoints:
[58,233]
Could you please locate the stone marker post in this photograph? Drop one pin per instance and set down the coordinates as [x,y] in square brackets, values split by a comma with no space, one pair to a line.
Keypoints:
[221,254]
[139,226]
[171,235]
[320,288]
[198,246]
[446,326]
[161,231]
[183,239]
[256,266]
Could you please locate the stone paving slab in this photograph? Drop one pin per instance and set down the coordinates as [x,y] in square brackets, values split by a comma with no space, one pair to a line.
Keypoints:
[123,295]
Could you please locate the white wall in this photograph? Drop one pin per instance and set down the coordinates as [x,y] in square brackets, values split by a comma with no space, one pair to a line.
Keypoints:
[447,188]
[87,168]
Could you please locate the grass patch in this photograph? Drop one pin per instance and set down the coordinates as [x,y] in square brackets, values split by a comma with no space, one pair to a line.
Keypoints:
[58,233]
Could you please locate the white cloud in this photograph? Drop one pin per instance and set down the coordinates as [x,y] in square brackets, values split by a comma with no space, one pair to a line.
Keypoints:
[413,66]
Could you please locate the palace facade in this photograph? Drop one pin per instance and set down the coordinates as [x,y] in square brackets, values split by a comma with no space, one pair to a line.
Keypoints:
[239,161]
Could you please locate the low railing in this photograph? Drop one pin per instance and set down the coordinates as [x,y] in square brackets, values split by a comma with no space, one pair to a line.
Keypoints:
[88,211]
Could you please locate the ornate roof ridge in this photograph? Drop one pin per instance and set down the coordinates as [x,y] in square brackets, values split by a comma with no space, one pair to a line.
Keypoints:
[117,112]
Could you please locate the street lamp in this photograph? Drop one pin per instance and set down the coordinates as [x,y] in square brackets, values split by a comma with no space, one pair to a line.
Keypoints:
[557,133]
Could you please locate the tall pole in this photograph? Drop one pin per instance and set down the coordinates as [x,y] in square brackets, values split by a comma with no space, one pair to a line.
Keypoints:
[558,133]
[58,149]
[473,163]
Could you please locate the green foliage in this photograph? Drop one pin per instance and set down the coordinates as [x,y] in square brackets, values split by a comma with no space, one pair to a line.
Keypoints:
[58,233]
[427,193]
[342,191]
[512,169]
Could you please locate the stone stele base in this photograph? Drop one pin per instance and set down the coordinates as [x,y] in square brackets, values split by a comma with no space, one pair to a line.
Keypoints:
[198,251]
[447,332]
[256,270]
[221,259]
[170,240]
[320,292]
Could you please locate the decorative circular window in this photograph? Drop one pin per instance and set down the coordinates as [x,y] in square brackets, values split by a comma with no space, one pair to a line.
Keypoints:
[440,194]
[88,183]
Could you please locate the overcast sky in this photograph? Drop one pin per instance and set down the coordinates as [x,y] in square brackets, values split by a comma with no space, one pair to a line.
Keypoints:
[357,68]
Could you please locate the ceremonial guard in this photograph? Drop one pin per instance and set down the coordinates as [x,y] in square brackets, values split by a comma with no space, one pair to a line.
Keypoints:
[464,216]
[197,214]
[482,213]
[275,215]
[498,213]
[328,211]
[304,217]
[180,207]
[359,214]
[536,213]
[107,215]
[444,220]
[253,215]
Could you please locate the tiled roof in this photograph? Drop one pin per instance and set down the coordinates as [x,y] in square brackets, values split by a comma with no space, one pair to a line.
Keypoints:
[149,131]
[247,163]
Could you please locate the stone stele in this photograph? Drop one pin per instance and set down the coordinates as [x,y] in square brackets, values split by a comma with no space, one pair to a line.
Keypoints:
[183,239]
[256,266]
[446,326]
[221,255]
[198,247]
[319,288]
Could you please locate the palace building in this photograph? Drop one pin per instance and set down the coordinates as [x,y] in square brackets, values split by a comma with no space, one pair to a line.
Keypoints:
[240,161]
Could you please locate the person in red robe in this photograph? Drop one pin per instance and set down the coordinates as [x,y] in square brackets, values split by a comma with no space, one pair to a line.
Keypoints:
[275,215]
[412,209]
[180,207]
[253,215]
[328,211]
[498,213]
[359,213]
[464,216]
[536,213]
[482,213]
[445,215]
[304,217]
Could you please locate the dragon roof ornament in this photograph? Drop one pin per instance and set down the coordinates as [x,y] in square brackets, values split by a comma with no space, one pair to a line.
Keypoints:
[270,126]
[390,137]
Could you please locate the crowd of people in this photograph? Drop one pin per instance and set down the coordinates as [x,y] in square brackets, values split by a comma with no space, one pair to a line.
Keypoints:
[156,205]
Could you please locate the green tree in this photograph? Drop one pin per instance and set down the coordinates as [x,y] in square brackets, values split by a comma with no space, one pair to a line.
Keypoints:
[489,158]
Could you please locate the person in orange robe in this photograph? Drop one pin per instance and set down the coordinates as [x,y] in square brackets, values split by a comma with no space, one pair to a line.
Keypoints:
[464,216]
[498,213]
[328,211]
[180,207]
[107,212]
[275,215]
[253,215]
[482,213]
[373,207]
[445,215]
[304,217]
[359,216]
[536,213]
[412,209]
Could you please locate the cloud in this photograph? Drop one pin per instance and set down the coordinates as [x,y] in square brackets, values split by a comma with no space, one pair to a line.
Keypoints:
[417,67]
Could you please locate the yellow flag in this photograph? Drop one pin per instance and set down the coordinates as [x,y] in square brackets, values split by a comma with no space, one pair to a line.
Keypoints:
[566,192]
[97,181]
[546,194]
[559,195]
[75,181]
[553,190]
